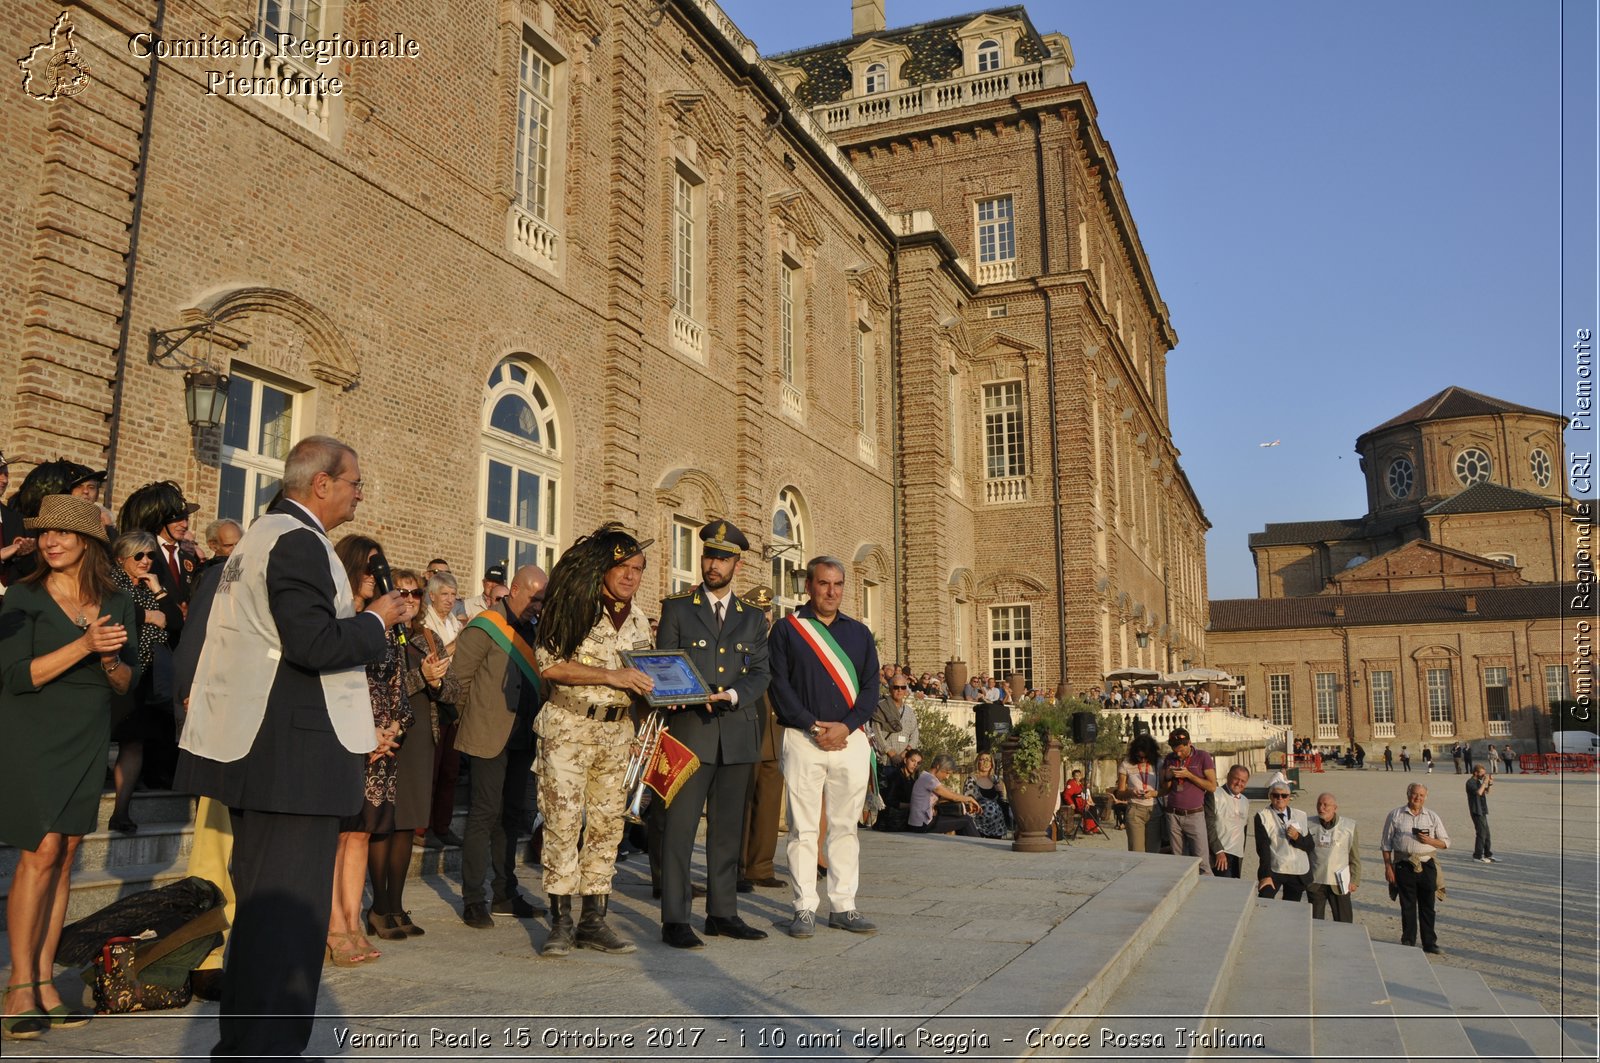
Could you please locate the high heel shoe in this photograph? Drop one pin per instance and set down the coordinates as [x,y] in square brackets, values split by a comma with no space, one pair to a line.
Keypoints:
[403,921]
[361,941]
[385,927]
[344,952]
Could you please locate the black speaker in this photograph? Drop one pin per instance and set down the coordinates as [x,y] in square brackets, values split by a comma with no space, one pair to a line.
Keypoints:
[1085,727]
[1140,727]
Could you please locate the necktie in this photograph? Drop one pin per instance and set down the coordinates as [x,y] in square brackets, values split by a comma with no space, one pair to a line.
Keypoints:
[172,562]
[718,610]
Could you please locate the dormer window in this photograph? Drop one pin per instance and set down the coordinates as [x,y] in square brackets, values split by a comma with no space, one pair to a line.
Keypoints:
[988,56]
[877,79]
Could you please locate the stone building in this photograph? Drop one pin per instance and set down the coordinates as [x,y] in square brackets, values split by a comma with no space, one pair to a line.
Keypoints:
[1445,613]
[552,263]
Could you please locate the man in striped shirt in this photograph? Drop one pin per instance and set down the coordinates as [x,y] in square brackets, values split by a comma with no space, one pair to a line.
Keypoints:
[824,690]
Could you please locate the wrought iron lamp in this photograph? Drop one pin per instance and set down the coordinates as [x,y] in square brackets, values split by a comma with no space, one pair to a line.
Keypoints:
[205,389]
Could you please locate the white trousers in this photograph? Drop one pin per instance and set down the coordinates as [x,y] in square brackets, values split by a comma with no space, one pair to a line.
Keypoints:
[810,775]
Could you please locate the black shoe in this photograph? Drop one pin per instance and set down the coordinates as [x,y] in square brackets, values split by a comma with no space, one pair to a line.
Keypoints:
[744,885]
[560,942]
[207,984]
[731,926]
[518,906]
[441,841]
[1433,950]
[770,883]
[696,890]
[477,916]
[1408,944]
[680,936]
[592,932]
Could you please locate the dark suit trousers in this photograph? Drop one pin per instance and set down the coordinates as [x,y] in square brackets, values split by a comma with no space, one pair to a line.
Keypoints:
[1290,887]
[763,804]
[1323,897]
[719,789]
[283,878]
[494,819]
[1416,901]
[1480,837]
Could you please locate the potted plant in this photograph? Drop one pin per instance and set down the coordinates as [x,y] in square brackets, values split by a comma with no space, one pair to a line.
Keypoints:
[1031,760]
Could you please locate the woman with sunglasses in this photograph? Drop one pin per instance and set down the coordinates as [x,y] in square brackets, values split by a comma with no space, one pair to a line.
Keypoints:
[391,715]
[132,714]
[64,651]
[1138,779]
[431,690]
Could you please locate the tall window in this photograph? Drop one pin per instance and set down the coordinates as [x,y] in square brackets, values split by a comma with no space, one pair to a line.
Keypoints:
[877,78]
[872,608]
[1439,707]
[788,295]
[534,108]
[300,19]
[1326,687]
[1237,700]
[1382,697]
[996,230]
[1011,642]
[1002,430]
[1497,694]
[686,281]
[988,56]
[862,391]
[685,571]
[1557,686]
[959,613]
[789,557]
[257,431]
[521,469]
[1278,697]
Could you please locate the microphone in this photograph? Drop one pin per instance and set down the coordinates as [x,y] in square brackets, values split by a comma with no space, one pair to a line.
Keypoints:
[383,583]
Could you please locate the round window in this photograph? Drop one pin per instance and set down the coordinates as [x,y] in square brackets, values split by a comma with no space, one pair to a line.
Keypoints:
[1401,477]
[1539,462]
[1472,466]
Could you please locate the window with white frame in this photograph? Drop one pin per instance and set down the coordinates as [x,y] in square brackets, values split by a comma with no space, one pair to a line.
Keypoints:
[1497,693]
[872,608]
[687,239]
[877,79]
[519,520]
[1557,684]
[535,110]
[300,19]
[988,56]
[1004,455]
[1011,642]
[1237,700]
[1325,685]
[960,611]
[789,346]
[996,230]
[1382,684]
[257,431]
[684,571]
[952,413]
[863,391]
[789,553]
[1440,709]
[1279,698]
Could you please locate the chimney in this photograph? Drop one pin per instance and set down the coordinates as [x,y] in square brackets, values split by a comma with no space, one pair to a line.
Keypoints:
[1338,610]
[1472,604]
[866,16]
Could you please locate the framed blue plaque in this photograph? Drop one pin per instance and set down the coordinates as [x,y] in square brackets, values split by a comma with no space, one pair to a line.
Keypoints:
[677,680]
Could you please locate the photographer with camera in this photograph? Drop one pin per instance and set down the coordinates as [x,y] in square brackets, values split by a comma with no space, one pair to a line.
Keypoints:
[1411,834]
[1479,783]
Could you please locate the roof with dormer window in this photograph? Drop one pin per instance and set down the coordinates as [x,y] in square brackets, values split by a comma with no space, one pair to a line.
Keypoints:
[935,51]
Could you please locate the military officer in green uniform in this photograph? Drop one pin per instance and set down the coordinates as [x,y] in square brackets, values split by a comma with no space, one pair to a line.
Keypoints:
[727,640]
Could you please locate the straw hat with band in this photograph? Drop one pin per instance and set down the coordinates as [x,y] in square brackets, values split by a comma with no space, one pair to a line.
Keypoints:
[69,513]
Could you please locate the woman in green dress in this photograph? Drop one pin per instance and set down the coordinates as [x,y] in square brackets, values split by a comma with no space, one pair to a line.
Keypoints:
[64,649]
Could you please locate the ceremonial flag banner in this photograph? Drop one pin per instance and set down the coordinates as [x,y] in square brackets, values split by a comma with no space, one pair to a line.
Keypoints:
[671,767]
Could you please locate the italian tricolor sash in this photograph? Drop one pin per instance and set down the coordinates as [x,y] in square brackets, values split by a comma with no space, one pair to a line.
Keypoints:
[816,635]
[505,636]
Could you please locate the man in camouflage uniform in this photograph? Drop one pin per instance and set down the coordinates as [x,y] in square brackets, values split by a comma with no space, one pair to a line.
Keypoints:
[586,727]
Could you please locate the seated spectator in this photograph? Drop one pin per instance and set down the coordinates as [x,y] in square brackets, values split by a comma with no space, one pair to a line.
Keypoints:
[986,787]
[896,794]
[926,794]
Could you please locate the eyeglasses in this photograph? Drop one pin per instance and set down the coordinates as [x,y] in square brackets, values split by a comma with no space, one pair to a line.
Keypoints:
[359,485]
[1275,797]
[145,555]
[898,686]
[418,594]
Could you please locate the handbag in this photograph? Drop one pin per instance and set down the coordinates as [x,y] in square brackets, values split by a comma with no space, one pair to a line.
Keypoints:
[117,988]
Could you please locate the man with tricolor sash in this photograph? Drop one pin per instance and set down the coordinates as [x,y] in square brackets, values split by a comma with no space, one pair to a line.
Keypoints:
[824,690]
[500,695]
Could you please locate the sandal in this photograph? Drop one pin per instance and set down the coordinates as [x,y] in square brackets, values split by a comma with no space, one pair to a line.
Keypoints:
[361,941]
[343,952]
[64,1018]
[27,1025]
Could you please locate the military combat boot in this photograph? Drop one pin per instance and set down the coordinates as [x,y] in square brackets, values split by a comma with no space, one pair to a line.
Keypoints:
[560,942]
[592,930]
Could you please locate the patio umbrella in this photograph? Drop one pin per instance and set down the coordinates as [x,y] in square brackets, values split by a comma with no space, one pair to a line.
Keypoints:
[1134,673]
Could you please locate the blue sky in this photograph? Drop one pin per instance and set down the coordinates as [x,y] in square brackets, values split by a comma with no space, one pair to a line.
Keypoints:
[1348,207]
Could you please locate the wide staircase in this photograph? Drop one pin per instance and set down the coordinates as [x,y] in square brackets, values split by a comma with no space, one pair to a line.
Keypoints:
[111,865]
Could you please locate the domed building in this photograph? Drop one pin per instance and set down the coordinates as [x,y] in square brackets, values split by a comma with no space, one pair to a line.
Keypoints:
[1437,616]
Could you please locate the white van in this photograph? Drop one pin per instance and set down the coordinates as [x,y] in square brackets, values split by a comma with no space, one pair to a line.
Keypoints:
[1576,742]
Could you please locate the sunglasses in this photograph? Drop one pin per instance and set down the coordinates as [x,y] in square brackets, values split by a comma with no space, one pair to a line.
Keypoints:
[413,594]
[898,686]
[1274,797]
[145,555]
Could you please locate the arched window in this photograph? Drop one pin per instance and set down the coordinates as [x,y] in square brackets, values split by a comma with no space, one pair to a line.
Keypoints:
[988,56]
[519,518]
[877,78]
[788,548]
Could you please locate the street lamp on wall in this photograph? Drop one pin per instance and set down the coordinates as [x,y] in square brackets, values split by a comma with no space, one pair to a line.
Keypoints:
[1143,638]
[205,389]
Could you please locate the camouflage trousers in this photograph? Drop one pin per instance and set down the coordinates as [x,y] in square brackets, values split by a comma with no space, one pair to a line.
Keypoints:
[580,769]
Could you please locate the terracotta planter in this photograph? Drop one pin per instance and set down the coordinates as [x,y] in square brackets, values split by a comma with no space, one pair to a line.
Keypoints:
[1033,804]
